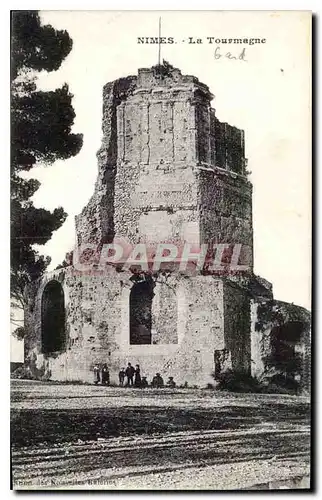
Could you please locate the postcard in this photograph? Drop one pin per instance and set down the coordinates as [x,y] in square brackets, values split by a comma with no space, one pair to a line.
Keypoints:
[161,250]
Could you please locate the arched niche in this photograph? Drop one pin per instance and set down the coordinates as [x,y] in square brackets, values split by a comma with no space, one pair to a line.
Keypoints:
[53,316]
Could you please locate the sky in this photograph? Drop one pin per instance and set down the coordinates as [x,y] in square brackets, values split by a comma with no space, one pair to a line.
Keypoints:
[268,96]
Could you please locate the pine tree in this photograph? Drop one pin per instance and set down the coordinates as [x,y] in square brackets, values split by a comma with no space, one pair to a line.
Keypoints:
[41,125]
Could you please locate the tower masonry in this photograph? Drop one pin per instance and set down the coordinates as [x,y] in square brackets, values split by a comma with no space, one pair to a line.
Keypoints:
[168,172]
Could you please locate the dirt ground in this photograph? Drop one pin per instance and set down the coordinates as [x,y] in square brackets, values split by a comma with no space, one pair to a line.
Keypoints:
[81,436]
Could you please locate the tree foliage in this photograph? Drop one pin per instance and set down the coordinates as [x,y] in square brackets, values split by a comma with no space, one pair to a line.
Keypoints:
[41,133]
[36,46]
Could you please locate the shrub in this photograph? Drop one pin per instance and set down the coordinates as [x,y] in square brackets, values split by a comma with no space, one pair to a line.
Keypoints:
[274,389]
[23,373]
[283,383]
[277,383]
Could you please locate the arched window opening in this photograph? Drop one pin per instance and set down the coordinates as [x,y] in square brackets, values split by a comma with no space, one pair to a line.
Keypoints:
[53,318]
[141,312]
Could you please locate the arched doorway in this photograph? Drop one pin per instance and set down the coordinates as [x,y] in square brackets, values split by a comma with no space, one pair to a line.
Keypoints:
[53,333]
[287,343]
[141,297]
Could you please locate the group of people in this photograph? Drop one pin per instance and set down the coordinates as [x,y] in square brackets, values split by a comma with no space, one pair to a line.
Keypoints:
[104,376]
[132,376]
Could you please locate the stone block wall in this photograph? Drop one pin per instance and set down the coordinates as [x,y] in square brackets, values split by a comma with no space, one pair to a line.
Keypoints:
[237,314]
[192,318]
[225,211]
[158,176]
[228,144]
[188,326]
[291,324]
[155,182]
[95,224]
[92,322]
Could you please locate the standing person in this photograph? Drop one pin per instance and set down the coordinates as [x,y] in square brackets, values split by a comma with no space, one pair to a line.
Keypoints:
[121,377]
[105,375]
[97,377]
[137,378]
[129,372]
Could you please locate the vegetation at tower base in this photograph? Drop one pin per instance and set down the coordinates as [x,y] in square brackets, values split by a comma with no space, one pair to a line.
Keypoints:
[231,380]
[41,124]
[241,382]
[283,326]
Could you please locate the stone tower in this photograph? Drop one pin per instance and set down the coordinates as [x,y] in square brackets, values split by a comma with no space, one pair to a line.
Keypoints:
[168,171]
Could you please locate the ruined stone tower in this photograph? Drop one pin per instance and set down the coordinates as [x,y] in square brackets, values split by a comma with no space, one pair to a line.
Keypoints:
[168,171]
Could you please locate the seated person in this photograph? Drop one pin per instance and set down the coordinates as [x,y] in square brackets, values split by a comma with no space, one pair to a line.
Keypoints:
[157,381]
[171,383]
[144,382]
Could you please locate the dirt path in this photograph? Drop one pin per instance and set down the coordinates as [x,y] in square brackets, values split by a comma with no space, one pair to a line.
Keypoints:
[222,442]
